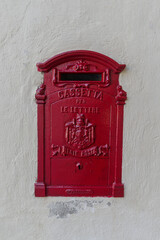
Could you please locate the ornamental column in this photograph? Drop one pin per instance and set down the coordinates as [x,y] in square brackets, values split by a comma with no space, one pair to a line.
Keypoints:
[40,100]
[118,187]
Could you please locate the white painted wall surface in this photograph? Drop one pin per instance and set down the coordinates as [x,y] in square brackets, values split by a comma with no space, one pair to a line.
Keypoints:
[34,30]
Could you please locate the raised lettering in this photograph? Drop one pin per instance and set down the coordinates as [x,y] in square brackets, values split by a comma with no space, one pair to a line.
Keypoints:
[72,109]
[99,96]
[80,92]
[61,94]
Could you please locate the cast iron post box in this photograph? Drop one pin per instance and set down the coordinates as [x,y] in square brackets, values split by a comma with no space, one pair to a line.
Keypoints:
[80,126]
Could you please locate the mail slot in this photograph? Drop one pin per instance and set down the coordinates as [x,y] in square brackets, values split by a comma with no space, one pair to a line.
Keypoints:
[80,126]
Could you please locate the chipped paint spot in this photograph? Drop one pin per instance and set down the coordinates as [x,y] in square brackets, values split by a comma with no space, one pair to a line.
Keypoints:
[64,209]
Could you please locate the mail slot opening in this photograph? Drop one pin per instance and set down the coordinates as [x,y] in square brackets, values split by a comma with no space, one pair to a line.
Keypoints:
[80,77]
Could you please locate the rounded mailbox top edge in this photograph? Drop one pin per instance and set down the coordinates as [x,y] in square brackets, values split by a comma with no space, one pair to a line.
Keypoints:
[79,54]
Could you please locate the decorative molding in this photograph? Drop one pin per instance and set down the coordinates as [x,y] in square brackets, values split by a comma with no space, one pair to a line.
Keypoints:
[118,190]
[107,80]
[103,84]
[121,96]
[40,94]
[54,76]
[72,191]
[102,150]
[80,65]
[40,189]
[78,55]
[74,85]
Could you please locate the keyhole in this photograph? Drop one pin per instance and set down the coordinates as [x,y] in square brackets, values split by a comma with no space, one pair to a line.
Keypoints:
[79,166]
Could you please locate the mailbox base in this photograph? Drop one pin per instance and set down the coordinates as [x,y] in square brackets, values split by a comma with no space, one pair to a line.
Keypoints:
[40,189]
[115,191]
[118,190]
[76,191]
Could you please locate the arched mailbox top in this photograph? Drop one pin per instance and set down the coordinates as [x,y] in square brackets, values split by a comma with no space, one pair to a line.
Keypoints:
[80,55]
[81,68]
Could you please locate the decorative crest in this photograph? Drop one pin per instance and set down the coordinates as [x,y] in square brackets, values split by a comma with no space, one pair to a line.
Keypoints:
[40,93]
[80,133]
[81,66]
[121,95]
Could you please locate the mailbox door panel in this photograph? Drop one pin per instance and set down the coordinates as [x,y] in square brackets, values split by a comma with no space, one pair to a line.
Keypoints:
[65,172]
[78,149]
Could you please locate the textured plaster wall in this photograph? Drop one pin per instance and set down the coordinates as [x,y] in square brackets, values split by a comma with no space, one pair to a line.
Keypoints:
[34,30]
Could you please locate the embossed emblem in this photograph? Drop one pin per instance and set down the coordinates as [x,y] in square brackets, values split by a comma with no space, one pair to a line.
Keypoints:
[81,65]
[79,133]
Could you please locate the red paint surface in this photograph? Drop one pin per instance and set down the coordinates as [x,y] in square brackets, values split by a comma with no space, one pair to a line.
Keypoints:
[80,127]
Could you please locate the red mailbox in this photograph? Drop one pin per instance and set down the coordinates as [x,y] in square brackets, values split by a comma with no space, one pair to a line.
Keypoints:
[80,126]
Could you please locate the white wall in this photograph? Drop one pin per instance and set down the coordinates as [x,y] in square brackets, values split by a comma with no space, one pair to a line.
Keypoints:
[34,30]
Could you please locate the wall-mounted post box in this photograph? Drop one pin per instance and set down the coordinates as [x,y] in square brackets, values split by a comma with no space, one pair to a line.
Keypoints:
[80,126]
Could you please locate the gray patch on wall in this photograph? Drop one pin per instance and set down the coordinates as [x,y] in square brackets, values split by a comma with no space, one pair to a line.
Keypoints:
[64,209]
